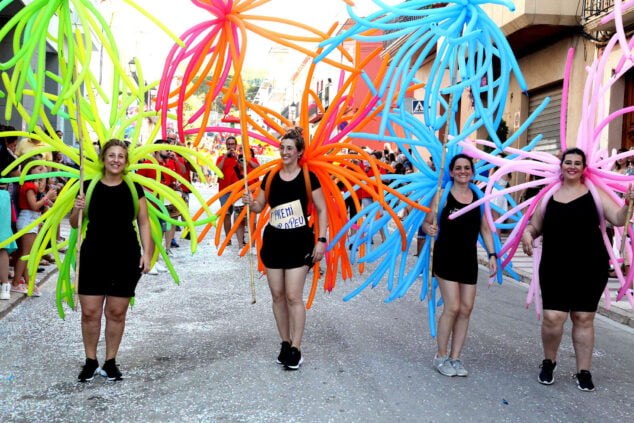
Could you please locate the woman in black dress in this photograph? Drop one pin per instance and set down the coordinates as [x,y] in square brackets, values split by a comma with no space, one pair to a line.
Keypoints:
[455,264]
[573,271]
[289,248]
[111,260]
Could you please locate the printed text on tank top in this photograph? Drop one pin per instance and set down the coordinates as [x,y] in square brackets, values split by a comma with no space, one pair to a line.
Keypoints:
[288,216]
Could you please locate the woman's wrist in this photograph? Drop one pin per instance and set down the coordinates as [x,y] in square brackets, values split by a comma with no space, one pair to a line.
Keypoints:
[528,230]
[322,239]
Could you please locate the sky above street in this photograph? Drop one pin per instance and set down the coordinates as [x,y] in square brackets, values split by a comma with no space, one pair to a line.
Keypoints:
[135,33]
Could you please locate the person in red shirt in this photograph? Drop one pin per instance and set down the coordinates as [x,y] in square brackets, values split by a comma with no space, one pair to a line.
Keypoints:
[30,210]
[167,159]
[184,169]
[227,164]
[239,205]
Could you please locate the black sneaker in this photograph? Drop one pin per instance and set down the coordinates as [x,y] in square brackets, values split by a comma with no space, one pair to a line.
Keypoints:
[88,372]
[584,381]
[295,359]
[110,370]
[284,353]
[546,376]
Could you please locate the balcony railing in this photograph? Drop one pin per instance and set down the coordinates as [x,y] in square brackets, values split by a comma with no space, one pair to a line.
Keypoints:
[387,43]
[595,8]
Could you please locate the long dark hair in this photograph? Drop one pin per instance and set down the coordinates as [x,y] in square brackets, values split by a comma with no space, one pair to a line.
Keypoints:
[577,151]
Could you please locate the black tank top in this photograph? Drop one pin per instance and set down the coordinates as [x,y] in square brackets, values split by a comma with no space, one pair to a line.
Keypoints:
[571,231]
[463,229]
[455,253]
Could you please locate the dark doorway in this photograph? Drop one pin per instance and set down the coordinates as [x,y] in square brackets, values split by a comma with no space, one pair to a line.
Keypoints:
[627,139]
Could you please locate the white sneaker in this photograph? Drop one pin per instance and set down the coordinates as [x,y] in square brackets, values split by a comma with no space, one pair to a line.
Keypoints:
[5,291]
[444,367]
[456,363]
[169,252]
[153,270]
[159,267]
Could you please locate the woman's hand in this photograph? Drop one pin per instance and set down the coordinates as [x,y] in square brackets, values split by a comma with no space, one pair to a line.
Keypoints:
[430,229]
[52,194]
[247,198]
[318,251]
[144,264]
[527,243]
[80,202]
[629,194]
[493,266]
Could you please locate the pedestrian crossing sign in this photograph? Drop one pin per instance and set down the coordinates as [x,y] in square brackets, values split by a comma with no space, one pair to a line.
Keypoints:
[417,107]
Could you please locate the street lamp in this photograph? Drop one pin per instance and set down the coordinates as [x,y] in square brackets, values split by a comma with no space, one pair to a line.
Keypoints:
[148,95]
[132,68]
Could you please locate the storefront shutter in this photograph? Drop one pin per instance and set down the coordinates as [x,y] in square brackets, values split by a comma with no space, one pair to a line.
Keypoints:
[547,123]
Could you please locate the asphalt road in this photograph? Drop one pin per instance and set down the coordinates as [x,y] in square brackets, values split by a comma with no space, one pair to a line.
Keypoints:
[201,352]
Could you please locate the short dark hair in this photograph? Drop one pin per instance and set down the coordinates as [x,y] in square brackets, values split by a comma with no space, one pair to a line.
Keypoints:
[455,158]
[7,139]
[231,137]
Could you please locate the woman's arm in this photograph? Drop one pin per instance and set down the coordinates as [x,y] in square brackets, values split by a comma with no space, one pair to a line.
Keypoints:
[253,163]
[322,217]
[322,214]
[487,237]
[430,226]
[256,205]
[35,204]
[143,221]
[614,214]
[80,204]
[533,230]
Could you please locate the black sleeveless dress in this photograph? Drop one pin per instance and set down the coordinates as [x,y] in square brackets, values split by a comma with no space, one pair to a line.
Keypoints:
[111,252]
[455,254]
[573,271]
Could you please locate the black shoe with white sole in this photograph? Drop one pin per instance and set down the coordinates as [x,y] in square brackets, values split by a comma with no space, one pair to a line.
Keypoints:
[88,372]
[110,370]
[295,359]
[546,376]
[584,381]
[284,353]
